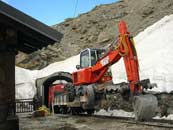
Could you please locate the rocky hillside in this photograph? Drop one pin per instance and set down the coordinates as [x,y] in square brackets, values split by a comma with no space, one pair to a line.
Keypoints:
[97,28]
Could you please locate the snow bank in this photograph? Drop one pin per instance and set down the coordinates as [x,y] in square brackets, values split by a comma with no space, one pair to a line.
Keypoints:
[169,117]
[25,83]
[154,46]
[120,113]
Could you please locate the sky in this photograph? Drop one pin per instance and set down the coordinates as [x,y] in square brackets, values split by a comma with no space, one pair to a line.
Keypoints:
[52,12]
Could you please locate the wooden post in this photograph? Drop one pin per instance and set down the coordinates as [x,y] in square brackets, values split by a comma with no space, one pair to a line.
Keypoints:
[8,41]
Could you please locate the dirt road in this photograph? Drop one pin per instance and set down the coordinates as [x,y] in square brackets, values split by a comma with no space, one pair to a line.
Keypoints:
[59,122]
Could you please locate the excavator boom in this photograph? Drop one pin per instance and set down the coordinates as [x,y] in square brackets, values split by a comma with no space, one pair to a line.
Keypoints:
[124,48]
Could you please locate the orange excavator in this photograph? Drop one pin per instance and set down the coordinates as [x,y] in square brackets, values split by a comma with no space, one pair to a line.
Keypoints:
[84,89]
[93,68]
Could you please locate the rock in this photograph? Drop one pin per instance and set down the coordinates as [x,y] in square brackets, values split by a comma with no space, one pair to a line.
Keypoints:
[20,57]
[74,27]
[68,19]
[147,11]
[91,38]
[103,37]
[81,37]
[66,24]
[43,55]
[83,31]
[120,15]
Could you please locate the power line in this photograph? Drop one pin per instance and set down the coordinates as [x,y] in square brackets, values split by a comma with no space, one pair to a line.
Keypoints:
[75,9]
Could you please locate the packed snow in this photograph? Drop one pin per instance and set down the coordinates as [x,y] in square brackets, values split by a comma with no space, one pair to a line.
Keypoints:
[154,47]
[25,83]
[120,113]
[169,117]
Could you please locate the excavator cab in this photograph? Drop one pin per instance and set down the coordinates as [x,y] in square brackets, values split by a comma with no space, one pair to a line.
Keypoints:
[89,57]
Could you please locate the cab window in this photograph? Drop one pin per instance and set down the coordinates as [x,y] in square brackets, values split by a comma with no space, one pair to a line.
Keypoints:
[93,57]
[84,60]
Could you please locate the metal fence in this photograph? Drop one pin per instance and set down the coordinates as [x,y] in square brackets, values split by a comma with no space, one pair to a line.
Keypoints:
[24,105]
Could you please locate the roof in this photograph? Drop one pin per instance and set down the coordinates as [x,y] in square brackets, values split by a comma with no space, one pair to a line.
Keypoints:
[33,35]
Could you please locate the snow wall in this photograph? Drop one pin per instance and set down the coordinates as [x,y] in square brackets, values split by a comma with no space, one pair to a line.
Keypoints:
[25,79]
[154,47]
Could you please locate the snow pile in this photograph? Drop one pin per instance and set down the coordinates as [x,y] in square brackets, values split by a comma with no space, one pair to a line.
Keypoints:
[25,83]
[120,113]
[169,117]
[154,46]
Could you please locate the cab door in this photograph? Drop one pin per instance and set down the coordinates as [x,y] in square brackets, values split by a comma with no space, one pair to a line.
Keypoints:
[88,58]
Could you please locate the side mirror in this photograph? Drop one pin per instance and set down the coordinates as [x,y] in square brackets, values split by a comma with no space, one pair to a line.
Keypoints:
[77,67]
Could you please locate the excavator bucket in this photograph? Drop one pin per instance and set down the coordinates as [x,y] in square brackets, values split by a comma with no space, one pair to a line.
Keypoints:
[145,107]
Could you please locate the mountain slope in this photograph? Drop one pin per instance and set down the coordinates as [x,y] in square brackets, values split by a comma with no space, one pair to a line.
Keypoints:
[97,28]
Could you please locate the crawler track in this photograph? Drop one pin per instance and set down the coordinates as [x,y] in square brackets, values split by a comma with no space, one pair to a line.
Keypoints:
[130,120]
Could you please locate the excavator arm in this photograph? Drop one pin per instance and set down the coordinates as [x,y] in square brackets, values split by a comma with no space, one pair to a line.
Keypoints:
[124,47]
